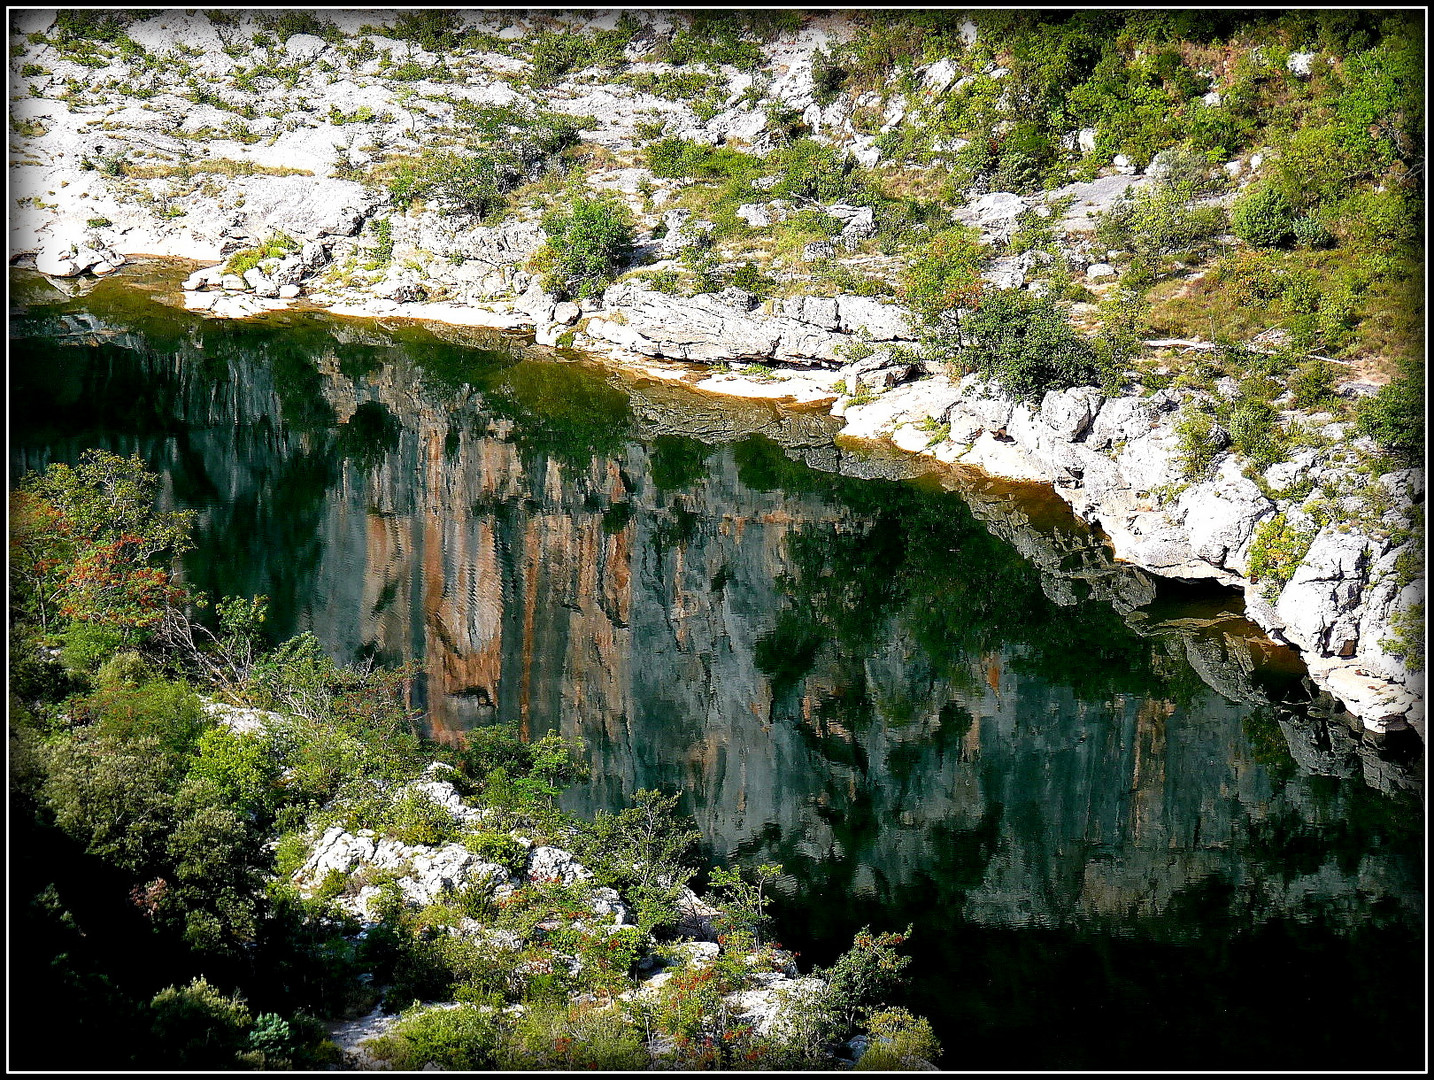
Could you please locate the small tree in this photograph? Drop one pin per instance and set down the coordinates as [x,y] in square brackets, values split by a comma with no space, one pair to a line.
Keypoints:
[587,246]
[1026,344]
[643,851]
[945,275]
[744,903]
[87,543]
[1263,218]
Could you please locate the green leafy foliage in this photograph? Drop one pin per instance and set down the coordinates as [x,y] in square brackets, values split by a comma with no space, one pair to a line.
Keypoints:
[246,259]
[1394,417]
[677,158]
[589,244]
[463,1038]
[744,903]
[1278,549]
[198,1027]
[555,54]
[644,851]
[1159,224]
[900,1040]
[1406,639]
[945,275]
[1027,344]
[85,541]
[1263,217]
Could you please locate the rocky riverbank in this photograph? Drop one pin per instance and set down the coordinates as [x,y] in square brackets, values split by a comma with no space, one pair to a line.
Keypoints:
[103,178]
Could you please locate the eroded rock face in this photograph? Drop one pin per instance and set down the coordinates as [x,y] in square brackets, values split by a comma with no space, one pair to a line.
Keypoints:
[425,873]
[1318,605]
[712,327]
[1221,515]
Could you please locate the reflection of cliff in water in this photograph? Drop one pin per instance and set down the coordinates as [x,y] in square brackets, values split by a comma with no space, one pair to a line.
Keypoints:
[888,686]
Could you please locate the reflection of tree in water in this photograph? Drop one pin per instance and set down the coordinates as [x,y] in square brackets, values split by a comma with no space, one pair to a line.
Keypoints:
[369,435]
[915,557]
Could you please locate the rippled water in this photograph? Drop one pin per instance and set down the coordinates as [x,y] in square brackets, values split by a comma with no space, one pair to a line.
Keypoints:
[1125,834]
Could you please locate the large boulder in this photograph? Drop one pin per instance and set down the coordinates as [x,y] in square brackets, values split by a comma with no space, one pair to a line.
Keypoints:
[1120,420]
[1221,514]
[883,322]
[1319,605]
[1068,413]
[555,864]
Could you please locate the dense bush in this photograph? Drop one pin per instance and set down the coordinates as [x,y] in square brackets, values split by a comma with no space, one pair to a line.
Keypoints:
[1199,440]
[1263,217]
[458,183]
[681,158]
[589,245]
[1395,417]
[810,170]
[198,1027]
[1277,551]
[1027,344]
[945,275]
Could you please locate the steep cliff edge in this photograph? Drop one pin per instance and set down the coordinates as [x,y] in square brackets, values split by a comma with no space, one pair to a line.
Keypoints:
[112,157]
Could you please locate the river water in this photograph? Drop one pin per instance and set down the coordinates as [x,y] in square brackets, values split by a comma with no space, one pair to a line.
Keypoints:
[1124,832]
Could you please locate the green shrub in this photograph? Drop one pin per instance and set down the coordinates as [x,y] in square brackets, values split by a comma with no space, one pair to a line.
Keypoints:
[1312,385]
[827,78]
[1027,345]
[944,276]
[1407,638]
[553,55]
[1160,222]
[272,1036]
[275,247]
[497,847]
[676,158]
[1276,553]
[457,183]
[643,851]
[285,24]
[748,277]
[1394,417]
[744,904]
[1198,442]
[559,1036]
[1262,217]
[113,796]
[168,711]
[1310,232]
[899,1040]
[589,245]
[415,818]
[811,170]
[1252,430]
[241,768]
[87,646]
[463,1038]
[866,972]
[197,1027]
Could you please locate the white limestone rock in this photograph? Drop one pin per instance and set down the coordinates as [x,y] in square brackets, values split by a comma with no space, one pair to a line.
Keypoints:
[1221,514]
[555,864]
[1318,605]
